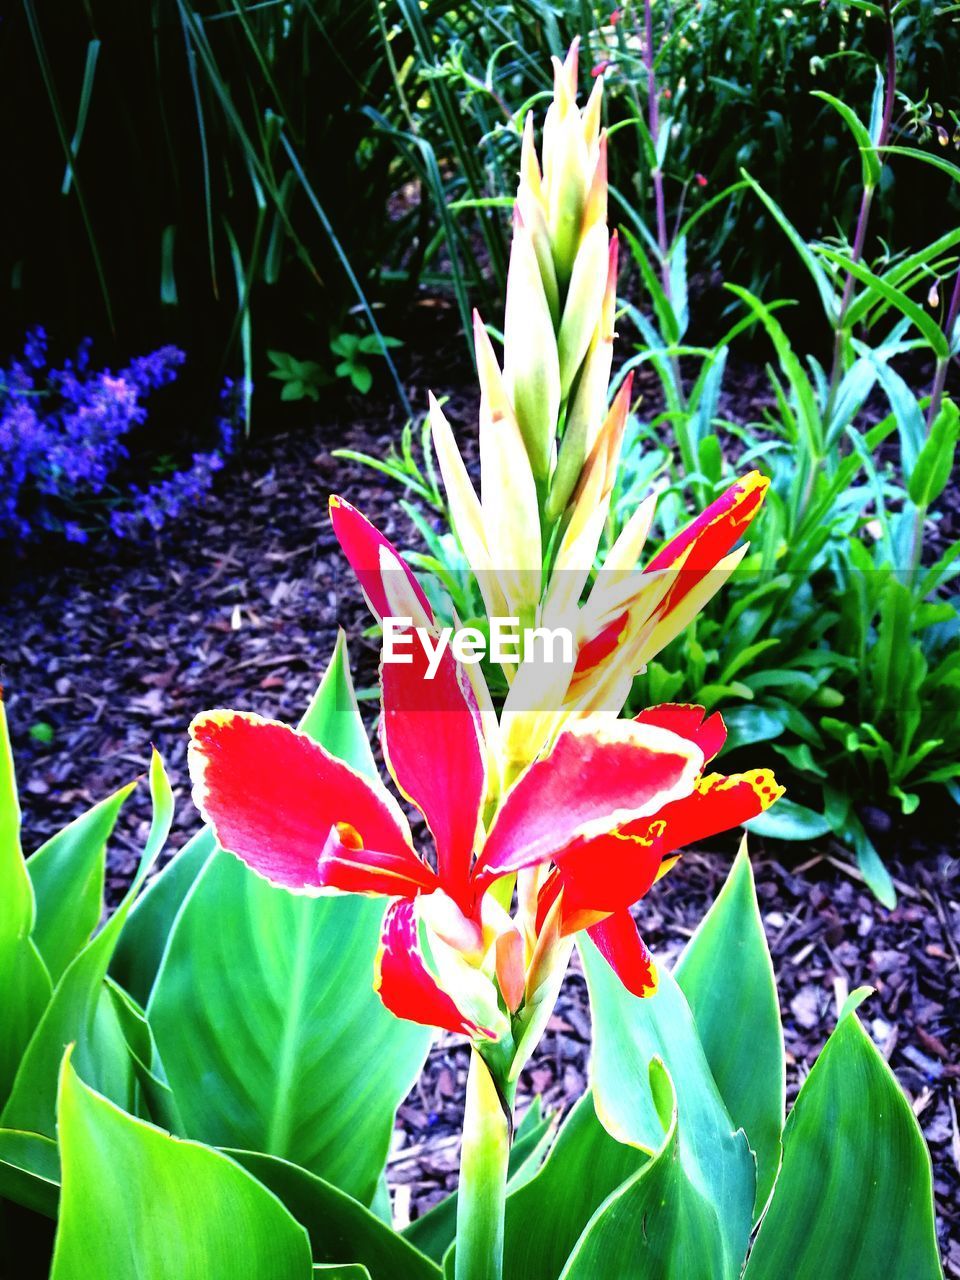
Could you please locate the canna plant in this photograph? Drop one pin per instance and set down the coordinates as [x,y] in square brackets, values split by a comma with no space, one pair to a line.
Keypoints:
[205,1088]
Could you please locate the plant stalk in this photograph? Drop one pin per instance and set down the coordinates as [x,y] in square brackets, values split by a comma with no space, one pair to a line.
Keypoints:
[487,1130]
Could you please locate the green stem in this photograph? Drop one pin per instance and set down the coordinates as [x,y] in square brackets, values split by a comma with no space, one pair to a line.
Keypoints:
[487,1127]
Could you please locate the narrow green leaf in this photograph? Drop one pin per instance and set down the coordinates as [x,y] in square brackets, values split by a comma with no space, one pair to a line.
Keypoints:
[869,156]
[854,1197]
[137,1202]
[67,876]
[742,1037]
[928,327]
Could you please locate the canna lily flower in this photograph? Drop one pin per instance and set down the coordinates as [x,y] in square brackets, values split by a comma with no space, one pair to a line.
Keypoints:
[450,955]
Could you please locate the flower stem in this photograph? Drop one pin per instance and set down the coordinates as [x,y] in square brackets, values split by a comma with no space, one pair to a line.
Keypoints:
[487,1129]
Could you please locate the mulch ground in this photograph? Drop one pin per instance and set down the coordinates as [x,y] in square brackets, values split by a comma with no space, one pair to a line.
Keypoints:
[238,605]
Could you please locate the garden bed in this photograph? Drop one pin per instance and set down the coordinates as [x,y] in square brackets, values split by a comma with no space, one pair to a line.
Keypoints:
[238,605]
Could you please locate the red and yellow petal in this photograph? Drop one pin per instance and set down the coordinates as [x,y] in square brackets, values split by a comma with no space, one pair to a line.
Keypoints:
[293,812]
[708,538]
[620,944]
[601,774]
[372,556]
[431,736]
[609,873]
[718,803]
[403,981]
[688,721]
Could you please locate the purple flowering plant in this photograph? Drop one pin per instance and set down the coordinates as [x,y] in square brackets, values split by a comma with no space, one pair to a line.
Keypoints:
[65,444]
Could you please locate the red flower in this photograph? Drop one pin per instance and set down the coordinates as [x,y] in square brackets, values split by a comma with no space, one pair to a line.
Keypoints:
[600,68]
[308,822]
[700,180]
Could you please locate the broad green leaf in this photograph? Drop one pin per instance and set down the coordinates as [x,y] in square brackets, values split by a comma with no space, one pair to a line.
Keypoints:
[935,462]
[434,1231]
[137,1202]
[545,1217]
[854,1197]
[339,1227]
[271,995]
[658,1225]
[29,1171]
[24,980]
[67,876]
[787,820]
[77,1012]
[742,1037]
[331,718]
[628,1033]
[341,1271]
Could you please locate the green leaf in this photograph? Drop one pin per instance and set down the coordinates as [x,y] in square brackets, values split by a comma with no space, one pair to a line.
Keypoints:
[828,295]
[361,377]
[77,1011]
[67,876]
[869,156]
[545,1217]
[271,995]
[742,1037]
[316,1076]
[29,1171]
[934,464]
[928,327]
[330,718]
[338,1225]
[854,1197]
[137,1202]
[658,1224]
[628,1033]
[24,981]
[787,820]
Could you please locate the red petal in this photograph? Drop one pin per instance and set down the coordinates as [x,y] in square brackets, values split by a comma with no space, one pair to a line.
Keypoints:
[402,980]
[281,802]
[614,871]
[687,721]
[431,736]
[362,544]
[710,536]
[596,650]
[618,941]
[601,774]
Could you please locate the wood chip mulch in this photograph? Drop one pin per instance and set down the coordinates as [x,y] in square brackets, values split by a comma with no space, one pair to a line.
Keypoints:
[238,605]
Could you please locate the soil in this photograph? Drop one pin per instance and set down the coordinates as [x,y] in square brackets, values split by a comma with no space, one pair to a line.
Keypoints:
[239,606]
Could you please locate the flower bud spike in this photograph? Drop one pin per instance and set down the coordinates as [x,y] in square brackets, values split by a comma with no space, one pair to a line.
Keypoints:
[531,366]
[508,491]
[590,116]
[595,208]
[465,510]
[583,307]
